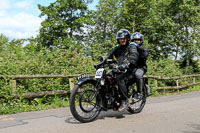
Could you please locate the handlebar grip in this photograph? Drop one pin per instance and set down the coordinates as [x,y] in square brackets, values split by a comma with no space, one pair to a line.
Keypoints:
[95,66]
[116,70]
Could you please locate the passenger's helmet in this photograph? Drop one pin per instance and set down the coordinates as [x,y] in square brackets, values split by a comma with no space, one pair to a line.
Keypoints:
[137,36]
[123,33]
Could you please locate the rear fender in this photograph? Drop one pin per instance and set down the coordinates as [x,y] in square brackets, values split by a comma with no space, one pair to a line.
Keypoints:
[93,80]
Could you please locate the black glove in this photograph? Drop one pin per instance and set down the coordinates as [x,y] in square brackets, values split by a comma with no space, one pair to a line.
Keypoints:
[123,67]
[116,70]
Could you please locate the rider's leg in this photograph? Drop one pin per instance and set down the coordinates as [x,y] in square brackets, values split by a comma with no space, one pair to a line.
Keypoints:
[122,86]
[120,79]
[139,79]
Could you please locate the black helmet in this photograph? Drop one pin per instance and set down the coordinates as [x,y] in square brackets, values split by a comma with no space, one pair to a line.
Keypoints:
[137,36]
[123,33]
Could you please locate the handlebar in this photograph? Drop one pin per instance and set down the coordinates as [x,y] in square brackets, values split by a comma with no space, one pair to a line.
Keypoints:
[104,65]
[109,63]
[104,62]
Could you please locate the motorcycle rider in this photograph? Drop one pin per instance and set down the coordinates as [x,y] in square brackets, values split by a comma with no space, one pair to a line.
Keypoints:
[126,57]
[137,39]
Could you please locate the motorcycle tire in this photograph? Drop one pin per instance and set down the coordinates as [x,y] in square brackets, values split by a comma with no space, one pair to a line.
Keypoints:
[84,102]
[137,106]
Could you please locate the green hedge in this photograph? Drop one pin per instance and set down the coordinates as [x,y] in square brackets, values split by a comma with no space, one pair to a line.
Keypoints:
[54,61]
[29,60]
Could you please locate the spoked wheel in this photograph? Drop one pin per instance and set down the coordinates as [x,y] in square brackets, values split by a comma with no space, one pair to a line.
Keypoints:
[84,103]
[136,106]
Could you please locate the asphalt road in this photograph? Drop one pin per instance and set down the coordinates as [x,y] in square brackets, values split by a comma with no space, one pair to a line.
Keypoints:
[168,114]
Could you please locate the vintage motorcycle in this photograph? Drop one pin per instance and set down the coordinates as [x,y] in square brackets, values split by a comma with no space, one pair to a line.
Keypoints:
[90,96]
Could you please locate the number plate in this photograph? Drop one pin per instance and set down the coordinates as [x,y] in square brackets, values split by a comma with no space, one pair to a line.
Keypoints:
[99,73]
[83,76]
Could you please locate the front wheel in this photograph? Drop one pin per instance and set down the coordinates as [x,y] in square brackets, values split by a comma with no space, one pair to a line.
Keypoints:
[84,103]
[136,106]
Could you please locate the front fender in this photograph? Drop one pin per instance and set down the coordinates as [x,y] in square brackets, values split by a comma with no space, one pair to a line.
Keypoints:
[93,80]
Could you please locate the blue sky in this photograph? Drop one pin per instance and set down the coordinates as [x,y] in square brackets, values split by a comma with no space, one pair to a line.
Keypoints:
[19,18]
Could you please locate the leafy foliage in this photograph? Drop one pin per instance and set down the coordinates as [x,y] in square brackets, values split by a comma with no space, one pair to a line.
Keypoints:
[173,27]
[164,67]
[198,65]
[28,60]
[63,20]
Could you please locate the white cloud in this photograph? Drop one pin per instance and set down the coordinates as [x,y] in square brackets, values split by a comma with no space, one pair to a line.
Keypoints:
[2,13]
[5,4]
[20,25]
[17,24]
[26,4]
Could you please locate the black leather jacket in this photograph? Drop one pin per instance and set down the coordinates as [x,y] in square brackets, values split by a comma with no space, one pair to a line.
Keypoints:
[125,54]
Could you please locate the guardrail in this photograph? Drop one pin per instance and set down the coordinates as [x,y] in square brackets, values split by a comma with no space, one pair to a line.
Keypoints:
[71,83]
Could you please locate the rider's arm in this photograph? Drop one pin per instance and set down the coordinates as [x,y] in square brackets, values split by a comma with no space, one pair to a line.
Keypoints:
[133,55]
[112,53]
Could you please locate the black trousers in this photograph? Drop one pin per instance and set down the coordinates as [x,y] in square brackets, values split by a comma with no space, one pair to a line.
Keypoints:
[139,79]
[120,80]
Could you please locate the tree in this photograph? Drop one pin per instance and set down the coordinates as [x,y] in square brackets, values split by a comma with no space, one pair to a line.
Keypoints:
[133,13]
[186,18]
[64,19]
[3,42]
[173,28]
[112,15]
[101,38]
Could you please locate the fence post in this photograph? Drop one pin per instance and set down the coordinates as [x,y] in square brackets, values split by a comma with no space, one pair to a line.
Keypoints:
[156,83]
[177,83]
[193,81]
[71,84]
[13,86]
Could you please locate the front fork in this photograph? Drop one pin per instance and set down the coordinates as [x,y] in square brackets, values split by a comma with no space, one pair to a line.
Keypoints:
[100,95]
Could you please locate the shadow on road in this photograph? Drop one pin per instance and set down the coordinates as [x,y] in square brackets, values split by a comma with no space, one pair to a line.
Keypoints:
[103,115]
[72,120]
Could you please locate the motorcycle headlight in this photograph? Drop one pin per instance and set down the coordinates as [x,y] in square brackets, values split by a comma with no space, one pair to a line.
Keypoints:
[102,82]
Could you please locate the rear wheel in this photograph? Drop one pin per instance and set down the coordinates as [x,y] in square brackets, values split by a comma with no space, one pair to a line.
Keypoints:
[84,103]
[136,106]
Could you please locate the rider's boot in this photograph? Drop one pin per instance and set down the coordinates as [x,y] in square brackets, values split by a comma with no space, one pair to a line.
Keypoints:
[124,105]
[138,95]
